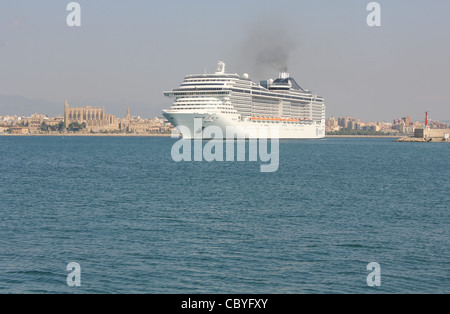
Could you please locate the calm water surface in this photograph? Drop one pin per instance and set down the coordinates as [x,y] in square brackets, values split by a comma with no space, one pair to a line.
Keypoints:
[137,222]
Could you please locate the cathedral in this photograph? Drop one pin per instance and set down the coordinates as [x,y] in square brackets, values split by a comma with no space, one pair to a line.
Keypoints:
[95,118]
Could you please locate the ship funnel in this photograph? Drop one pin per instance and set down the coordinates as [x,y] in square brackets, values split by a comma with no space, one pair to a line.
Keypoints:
[284,75]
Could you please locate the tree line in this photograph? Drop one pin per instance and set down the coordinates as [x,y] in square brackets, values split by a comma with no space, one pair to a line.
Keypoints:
[61,127]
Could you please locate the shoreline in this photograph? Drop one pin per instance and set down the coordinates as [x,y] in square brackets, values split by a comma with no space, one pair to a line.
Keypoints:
[169,135]
[359,136]
[94,135]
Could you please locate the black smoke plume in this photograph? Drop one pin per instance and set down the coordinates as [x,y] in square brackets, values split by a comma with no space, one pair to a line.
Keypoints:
[267,49]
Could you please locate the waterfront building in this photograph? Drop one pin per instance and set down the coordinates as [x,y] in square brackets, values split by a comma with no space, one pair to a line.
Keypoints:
[138,125]
[19,130]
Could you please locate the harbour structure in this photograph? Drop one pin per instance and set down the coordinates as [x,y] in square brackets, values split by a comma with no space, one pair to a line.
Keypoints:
[427,134]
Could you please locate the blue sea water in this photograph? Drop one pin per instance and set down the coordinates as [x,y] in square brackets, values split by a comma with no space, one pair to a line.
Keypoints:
[138,222]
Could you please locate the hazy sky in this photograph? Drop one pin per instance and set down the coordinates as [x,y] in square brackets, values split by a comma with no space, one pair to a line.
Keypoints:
[127,53]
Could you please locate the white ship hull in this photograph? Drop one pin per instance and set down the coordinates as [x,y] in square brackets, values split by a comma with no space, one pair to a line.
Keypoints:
[198,126]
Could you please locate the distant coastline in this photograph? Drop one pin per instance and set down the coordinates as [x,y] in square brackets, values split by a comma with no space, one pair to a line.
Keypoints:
[168,135]
[358,136]
[89,134]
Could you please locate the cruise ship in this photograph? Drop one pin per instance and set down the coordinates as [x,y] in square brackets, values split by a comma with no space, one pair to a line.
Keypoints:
[230,100]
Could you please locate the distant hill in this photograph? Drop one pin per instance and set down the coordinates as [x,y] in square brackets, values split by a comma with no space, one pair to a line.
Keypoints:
[19,105]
